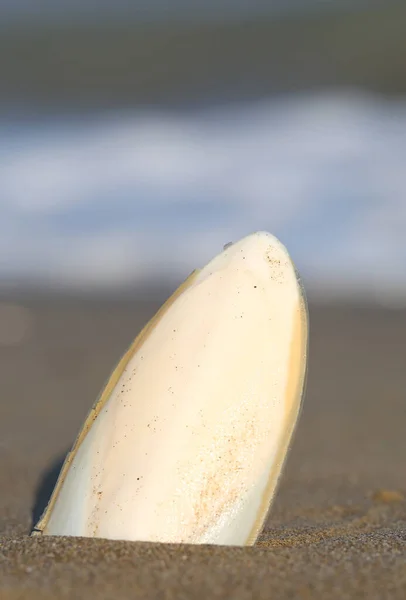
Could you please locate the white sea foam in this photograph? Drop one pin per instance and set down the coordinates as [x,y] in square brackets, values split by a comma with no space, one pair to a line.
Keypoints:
[111,200]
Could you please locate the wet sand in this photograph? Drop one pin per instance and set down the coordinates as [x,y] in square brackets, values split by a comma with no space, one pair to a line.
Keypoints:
[337,528]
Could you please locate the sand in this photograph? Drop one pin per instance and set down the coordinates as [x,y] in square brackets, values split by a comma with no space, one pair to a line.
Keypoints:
[337,528]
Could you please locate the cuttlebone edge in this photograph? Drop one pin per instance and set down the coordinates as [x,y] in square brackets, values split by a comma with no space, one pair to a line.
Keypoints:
[278,466]
[39,528]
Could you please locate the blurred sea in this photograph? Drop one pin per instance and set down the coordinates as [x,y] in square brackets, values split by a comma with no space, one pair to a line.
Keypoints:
[142,188]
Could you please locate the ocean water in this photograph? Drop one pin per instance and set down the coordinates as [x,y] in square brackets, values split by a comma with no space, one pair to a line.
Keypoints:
[116,199]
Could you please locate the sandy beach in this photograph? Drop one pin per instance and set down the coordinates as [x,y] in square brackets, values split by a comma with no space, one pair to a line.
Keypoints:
[338,525]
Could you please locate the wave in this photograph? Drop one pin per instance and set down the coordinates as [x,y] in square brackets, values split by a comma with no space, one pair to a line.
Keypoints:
[107,201]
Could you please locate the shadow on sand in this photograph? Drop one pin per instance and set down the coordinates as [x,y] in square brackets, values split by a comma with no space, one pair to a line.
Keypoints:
[45,488]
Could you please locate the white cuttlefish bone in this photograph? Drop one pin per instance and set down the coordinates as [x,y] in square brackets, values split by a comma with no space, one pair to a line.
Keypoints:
[188,439]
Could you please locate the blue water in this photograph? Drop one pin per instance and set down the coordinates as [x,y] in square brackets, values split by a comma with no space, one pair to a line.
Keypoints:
[128,196]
